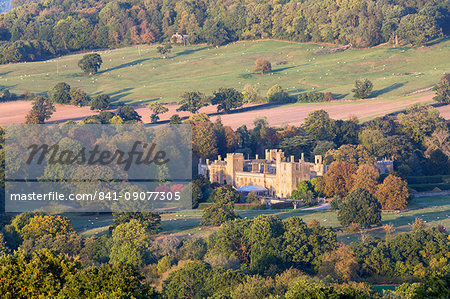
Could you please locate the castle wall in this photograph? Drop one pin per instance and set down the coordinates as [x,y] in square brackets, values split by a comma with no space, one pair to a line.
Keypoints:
[275,172]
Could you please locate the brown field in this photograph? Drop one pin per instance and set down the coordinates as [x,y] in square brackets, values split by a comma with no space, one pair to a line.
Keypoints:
[14,112]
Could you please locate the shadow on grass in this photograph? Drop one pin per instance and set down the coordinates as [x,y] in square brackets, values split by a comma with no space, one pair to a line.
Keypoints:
[339,96]
[124,65]
[284,69]
[426,216]
[117,95]
[5,73]
[390,88]
[189,51]
[7,87]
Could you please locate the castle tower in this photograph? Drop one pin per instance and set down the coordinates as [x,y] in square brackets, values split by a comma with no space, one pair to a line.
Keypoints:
[235,162]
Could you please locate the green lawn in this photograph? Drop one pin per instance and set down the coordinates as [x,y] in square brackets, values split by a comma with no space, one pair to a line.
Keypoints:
[137,74]
[434,210]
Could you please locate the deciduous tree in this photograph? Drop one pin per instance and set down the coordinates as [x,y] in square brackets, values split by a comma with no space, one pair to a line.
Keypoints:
[90,63]
[360,207]
[366,177]
[393,193]
[192,101]
[100,102]
[363,89]
[262,66]
[157,108]
[227,99]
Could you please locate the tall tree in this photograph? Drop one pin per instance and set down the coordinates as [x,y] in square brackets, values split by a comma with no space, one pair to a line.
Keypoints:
[100,102]
[192,101]
[338,181]
[360,207]
[366,177]
[156,108]
[227,99]
[222,210]
[60,93]
[262,66]
[442,90]
[420,121]
[319,126]
[130,243]
[41,110]
[363,89]
[90,63]
[393,193]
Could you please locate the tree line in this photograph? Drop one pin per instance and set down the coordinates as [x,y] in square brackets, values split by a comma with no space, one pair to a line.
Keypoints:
[38,29]
[245,258]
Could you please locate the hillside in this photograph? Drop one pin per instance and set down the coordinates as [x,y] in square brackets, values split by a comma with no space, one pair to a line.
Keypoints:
[35,31]
[139,74]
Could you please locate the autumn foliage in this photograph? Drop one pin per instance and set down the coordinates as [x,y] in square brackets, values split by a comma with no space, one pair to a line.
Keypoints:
[393,193]
[338,181]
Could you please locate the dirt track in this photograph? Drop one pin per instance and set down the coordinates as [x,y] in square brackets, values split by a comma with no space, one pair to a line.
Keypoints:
[14,112]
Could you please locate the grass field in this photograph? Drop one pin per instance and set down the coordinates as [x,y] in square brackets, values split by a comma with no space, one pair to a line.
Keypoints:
[138,74]
[433,210]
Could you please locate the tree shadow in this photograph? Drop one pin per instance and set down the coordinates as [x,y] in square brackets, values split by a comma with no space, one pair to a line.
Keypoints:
[7,87]
[426,216]
[284,69]
[124,65]
[189,51]
[119,94]
[296,92]
[5,73]
[339,96]
[379,92]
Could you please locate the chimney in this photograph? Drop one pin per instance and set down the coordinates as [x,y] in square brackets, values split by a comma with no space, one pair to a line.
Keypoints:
[292,158]
[303,157]
[219,158]
[207,161]
[256,157]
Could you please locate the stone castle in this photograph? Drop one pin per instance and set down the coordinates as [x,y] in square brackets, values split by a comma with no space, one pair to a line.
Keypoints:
[277,175]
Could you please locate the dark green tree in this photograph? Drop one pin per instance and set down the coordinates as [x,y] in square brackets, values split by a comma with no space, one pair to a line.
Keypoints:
[227,99]
[42,109]
[442,90]
[60,93]
[127,113]
[360,207]
[192,101]
[363,89]
[319,126]
[215,33]
[90,63]
[164,50]
[79,98]
[221,211]
[225,191]
[188,282]
[175,119]
[100,102]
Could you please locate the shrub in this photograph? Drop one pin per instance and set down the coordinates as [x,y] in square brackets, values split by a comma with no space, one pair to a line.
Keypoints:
[315,97]
[276,94]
